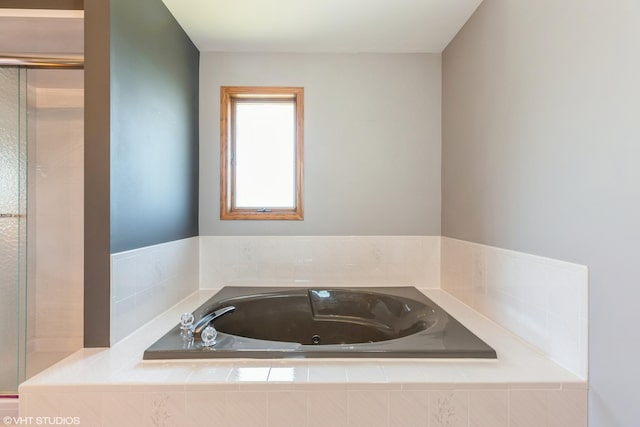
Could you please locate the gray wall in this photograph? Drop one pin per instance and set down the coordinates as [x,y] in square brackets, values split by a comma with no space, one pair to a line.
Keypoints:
[541,141]
[141,141]
[97,295]
[154,127]
[372,141]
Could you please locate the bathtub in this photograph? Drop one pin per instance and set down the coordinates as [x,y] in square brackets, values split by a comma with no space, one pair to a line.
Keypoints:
[323,322]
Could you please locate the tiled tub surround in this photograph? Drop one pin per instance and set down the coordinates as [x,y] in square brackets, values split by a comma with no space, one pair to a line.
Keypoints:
[335,260]
[542,300]
[114,387]
[145,282]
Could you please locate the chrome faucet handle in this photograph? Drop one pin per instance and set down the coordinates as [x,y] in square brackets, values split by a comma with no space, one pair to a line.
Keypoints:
[208,336]
[186,325]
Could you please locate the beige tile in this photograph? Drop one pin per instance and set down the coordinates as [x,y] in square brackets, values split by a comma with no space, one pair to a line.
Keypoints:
[122,409]
[567,408]
[408,408]
[528,408]
[368,408]
[488,408]
[164,409]
[448,408]
[327,408]
[287,409]
[205,408]
[247,409]
[41,404]
[83,406]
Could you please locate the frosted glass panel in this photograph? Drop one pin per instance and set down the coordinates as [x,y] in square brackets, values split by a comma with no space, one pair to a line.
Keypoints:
[13,164]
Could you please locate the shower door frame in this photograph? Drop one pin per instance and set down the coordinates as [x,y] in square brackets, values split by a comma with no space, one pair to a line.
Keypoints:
[15,210]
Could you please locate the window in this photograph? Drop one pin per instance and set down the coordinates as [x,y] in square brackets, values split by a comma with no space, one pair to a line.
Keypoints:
[261,134]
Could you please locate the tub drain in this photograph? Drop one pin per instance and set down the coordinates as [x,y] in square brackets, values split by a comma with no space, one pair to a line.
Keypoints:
[315,339]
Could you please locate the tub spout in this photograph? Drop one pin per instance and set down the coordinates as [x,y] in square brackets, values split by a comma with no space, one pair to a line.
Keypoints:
[204,322]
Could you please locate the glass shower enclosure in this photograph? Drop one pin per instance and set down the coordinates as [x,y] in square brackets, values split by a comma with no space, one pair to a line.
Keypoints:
[41,191]
[13,227]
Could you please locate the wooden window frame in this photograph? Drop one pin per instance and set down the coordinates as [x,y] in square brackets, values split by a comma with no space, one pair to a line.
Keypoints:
[228,94]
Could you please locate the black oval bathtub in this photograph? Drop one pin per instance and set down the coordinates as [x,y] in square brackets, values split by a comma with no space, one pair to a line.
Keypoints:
[398,322]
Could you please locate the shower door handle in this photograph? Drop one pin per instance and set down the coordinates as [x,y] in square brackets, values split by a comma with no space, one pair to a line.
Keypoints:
[8,215]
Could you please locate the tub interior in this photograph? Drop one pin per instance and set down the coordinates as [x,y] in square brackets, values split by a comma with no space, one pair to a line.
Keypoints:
[325,316]
[282,322]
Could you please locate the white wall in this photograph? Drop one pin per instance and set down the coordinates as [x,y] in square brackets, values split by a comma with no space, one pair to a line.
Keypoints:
[372,141]
[540,155]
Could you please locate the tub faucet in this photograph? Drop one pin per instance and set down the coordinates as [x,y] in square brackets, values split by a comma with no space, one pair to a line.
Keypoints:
[204,322]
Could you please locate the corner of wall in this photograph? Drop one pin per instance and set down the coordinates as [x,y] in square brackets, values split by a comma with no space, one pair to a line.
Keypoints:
[147,281]
[542,300]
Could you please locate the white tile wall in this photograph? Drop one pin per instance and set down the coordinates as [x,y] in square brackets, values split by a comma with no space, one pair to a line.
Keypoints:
[334,260]
[542,300]
[321,407]
[147,281]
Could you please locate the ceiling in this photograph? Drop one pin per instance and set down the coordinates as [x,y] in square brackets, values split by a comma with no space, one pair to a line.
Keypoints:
[322,25]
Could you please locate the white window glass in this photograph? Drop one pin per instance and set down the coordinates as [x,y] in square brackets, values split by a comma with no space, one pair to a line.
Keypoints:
[265,154]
